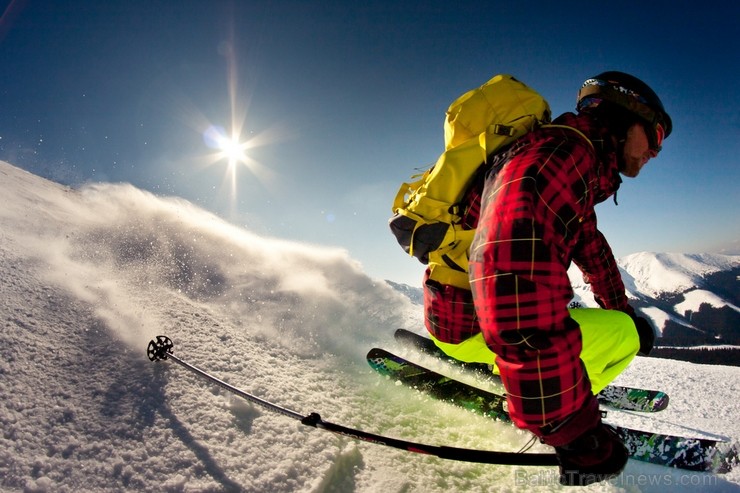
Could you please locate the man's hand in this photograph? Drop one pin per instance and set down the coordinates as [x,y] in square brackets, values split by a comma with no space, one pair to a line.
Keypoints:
[646,334]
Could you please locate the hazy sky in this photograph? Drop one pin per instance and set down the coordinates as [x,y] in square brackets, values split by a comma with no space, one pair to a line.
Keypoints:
[342,101]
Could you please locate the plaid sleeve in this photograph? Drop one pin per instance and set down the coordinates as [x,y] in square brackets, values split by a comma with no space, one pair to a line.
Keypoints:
[449,313]
[530,223]
[594,257]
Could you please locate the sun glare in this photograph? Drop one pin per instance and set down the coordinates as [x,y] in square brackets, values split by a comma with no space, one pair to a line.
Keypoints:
[231,141]
[233,150]
[228,148]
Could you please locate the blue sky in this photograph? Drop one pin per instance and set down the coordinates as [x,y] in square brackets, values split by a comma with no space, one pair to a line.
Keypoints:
[345,100]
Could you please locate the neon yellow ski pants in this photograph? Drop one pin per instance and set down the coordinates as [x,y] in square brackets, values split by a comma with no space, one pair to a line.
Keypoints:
[610,342]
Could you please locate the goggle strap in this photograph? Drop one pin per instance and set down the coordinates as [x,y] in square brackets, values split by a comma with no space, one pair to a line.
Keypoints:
[611,93]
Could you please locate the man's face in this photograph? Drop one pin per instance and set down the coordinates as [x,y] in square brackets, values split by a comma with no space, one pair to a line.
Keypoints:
[636,151]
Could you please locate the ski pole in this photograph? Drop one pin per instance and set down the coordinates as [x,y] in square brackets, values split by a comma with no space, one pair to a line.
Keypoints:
[160,349]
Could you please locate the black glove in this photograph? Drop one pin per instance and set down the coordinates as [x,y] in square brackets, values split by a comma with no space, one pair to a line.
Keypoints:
[646,334]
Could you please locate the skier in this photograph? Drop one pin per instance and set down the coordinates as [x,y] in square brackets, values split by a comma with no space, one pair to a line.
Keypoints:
[533,218]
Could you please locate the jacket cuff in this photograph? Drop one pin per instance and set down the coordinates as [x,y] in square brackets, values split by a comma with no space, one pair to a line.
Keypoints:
[573,426]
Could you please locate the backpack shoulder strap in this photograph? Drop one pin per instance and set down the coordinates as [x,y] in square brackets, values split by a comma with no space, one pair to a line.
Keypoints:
[554,125]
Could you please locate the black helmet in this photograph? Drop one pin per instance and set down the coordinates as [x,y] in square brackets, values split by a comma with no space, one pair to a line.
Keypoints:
[632,94]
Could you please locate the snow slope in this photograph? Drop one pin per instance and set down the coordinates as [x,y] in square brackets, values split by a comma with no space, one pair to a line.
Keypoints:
[651,279]
[89,276]
[673,272]
[694,299]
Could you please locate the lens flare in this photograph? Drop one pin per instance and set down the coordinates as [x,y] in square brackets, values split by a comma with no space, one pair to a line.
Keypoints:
[231,138]
[228,147]
[230,141]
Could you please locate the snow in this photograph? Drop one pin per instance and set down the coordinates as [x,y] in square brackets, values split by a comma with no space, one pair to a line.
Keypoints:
[672,272]
[694,299]
[659,318]
[89,276]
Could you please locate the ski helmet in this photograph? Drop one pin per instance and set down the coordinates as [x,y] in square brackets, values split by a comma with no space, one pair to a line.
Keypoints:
[632,94]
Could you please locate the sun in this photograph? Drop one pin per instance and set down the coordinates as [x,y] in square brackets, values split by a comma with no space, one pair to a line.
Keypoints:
[231,141]
[233,150]
[229,147]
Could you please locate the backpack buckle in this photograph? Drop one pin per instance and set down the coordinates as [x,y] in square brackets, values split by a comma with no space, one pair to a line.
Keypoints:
[501,129]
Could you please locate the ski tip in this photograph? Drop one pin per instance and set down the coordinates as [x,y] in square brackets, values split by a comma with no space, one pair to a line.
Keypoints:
[418,341]
[727,457]
[377,353]
[661,402]
[405,335]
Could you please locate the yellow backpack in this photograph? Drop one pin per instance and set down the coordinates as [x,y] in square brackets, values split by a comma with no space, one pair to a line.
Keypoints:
[427,212]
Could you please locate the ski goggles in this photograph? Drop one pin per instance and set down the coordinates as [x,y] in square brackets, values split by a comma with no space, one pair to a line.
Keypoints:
[655,128]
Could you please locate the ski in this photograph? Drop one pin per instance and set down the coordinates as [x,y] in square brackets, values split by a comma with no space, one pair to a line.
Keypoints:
[694,454]
[616,396]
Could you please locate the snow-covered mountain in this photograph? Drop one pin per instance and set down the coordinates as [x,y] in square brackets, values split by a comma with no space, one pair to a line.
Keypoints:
[89,276]
[692,299]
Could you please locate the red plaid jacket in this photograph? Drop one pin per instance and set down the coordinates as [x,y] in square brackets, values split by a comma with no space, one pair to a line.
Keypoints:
[533,218]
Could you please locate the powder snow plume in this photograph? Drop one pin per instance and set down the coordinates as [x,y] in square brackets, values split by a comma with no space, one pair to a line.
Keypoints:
[114,246]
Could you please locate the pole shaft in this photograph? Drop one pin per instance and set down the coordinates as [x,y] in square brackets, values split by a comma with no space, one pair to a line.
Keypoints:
[252,398]
[443,452]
